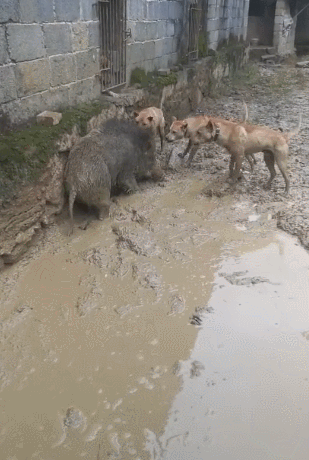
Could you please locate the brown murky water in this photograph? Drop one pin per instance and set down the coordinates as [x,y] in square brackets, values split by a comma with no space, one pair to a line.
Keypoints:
[174,330]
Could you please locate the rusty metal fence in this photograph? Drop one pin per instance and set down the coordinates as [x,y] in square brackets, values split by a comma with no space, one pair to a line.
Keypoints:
[195,15]
[113,34]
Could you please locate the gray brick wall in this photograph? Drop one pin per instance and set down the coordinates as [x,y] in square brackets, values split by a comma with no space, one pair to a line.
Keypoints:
[49,55]
[156,27]
[226,19]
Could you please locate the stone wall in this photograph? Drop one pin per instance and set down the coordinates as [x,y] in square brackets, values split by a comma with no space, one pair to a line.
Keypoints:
[49,56]
[226,19]
[156,28]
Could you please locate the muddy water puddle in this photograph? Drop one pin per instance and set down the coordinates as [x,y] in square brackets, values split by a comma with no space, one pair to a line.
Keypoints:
[175,329]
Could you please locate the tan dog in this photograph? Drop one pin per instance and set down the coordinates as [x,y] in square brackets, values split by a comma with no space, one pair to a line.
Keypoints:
[186,129]
[153,118]
[243,139]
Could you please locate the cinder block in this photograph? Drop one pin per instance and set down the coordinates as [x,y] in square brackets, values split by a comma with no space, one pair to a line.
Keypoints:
[172,59]
[175,10]
[87,63]
[48,118]
[7,84]
[148,50]
[175,44]
[212,25]
[137,10]
[94,34]
[161,29]
[164,10]
[213,36]
[152,30]
[32,77]
[167,45]
[81,91]
[178,28]
[153,11]
[68,10]
[9,10]
[25,42]
[57,38]
[4,56]
[140,32]
[170,29]
[213,12]
[137,51]
[63,69]
[159,44]
[88,10]
[80,39]
[56,98]
[36,11]
[25,109]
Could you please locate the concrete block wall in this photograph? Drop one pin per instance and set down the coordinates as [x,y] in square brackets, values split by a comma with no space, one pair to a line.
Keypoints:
[156,27]
[49,56]
[283,41]
[226,19]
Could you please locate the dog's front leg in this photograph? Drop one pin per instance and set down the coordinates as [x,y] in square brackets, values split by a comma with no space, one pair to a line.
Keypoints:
[237,158]
[184,153]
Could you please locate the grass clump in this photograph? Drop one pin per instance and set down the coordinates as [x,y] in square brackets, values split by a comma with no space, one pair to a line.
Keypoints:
[140,77]
[24,153]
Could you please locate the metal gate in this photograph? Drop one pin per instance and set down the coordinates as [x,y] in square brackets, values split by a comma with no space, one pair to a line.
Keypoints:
[194,29]
[113,16]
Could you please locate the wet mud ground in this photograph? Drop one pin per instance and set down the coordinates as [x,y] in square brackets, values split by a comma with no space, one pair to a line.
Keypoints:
[177,328]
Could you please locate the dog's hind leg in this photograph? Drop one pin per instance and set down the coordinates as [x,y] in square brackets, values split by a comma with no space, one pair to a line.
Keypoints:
[270,163]
[282,165]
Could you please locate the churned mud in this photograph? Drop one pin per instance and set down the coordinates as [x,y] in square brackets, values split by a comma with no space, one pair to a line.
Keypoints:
[175,329]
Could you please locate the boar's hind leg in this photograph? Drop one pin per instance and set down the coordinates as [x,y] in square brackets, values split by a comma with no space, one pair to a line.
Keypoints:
[72,197]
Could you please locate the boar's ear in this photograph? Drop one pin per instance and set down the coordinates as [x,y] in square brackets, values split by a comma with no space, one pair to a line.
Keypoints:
[150,118]
[135,114]
[174,119]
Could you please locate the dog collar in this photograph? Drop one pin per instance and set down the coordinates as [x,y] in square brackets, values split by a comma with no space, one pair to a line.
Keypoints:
[216,134]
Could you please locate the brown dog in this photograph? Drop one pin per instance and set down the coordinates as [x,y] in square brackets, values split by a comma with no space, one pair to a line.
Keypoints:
[186,129]
[243,139]
[153,118]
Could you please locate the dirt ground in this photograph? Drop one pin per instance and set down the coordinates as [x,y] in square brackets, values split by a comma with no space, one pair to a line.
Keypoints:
[178,327]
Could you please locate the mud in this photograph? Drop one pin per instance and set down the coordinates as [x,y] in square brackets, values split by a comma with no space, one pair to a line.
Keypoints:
[176,328]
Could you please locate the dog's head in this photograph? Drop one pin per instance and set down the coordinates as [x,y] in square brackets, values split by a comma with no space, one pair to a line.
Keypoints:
[177,131]
[143,119]
[206,132]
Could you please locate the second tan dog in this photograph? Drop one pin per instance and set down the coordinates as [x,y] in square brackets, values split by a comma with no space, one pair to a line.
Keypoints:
[153,118]
[186,129]
[243,139]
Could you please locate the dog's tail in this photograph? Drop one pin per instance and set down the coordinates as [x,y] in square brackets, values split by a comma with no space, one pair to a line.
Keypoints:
[291,134]
[163,97]
[245,112]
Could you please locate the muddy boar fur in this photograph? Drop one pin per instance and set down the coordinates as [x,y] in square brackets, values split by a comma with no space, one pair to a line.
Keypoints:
[112,155]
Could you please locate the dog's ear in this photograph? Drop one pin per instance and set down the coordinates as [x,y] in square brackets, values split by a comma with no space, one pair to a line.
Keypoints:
[174,119]
[184,125]
[135,114]
[150,118]
[210,126]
